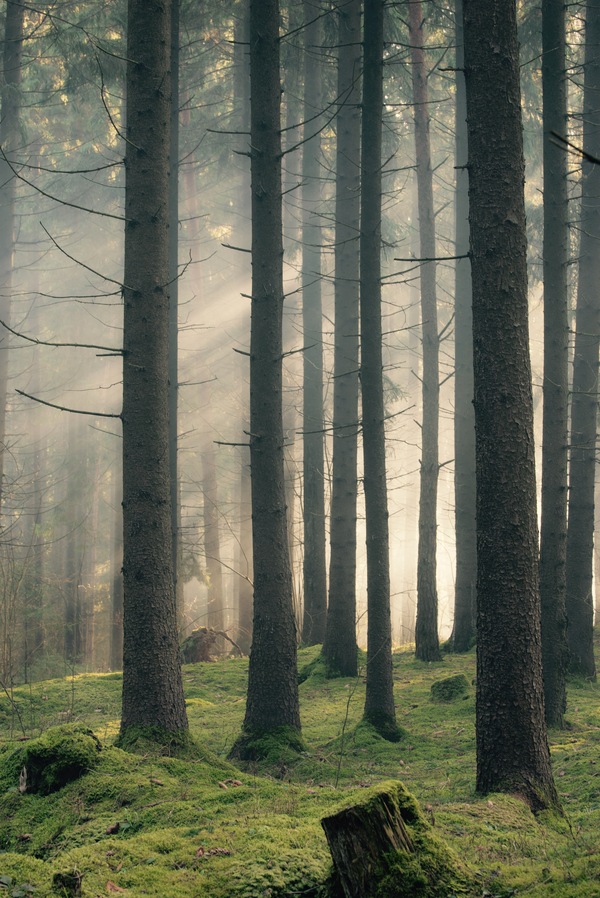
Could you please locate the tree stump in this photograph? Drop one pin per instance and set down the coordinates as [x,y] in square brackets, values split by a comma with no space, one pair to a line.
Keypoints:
[384,846]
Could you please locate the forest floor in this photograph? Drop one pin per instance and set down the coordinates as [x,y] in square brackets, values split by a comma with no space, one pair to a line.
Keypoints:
[141,825]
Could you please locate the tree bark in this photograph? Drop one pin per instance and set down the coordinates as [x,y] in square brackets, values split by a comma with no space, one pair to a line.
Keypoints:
[339,647]
[244,633]
[463,630]
[212,547]
[315,571]
[427,646]
[379,699]
[512,748]
[9,140]
[553,530]
[584,404]
[272,700]
[152,687]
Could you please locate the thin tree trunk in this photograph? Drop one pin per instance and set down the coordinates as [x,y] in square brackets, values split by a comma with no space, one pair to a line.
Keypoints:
[379,700]
[116,564]
[272,703]
[512,748]
[152,687]
[9,141]
[244,635]
[464,416]
[339,647]
[426,631]
[584,404]
[212,546]
[315,576]
[553,530]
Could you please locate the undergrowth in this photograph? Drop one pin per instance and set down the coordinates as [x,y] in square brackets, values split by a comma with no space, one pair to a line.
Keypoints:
[148,825]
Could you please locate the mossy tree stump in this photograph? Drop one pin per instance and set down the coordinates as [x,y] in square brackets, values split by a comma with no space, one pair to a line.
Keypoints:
[384,846]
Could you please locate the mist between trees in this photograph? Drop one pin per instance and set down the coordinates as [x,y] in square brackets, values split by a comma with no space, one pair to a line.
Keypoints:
[240,336]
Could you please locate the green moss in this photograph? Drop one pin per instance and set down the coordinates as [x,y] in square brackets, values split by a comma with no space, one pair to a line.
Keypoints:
[384,726]
[277,747]
[156,741]
[59,756]
[450,689]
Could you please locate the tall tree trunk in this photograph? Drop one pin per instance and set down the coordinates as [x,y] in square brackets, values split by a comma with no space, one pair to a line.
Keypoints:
[212,546]
[272,703]
[9,141]
[174,311]
[152,687]
[315,576]
[464,416]
[244,565]
[116,578]
[584,404]
[553,530]
[379,700]
[339,647]
[426,632]
[512,748]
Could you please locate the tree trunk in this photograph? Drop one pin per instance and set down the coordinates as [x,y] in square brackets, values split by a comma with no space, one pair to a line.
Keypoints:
[553,530]
[315,577]
[379,700]
[272,701]
[10,139]
[152,687]
[212,547]
[339,647]
[244,634]
[512,749]
[426,631]
[116,564]
[174,311]
[584,404]
[464,416]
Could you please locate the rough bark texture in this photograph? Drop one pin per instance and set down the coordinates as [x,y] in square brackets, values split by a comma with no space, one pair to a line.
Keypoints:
[512,749]
[426,631]
[9,141]
[116,564]
[584,406]
[152,688]
[553,529]
[379,699]
[383,846]
[174,309]
[212,546]
[361,836]
[339,648]
[272,685]
[315,570]
[464,416]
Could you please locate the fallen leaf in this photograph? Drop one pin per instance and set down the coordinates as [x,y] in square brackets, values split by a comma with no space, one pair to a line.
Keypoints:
[113,887]
[156,782]
[200,852]
[113,828]
[223,786]
[24,837]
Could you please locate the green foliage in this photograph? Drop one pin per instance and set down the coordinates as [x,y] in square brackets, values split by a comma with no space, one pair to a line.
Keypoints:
[450,689]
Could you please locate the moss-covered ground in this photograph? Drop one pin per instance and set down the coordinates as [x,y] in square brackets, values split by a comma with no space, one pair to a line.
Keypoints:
[139,825]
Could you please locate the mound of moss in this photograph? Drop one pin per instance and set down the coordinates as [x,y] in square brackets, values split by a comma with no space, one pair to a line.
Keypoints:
[46,764]
[451,689]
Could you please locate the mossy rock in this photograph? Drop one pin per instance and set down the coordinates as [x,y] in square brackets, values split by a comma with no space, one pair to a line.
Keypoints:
[382,847]
[451,689]
[62,754]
